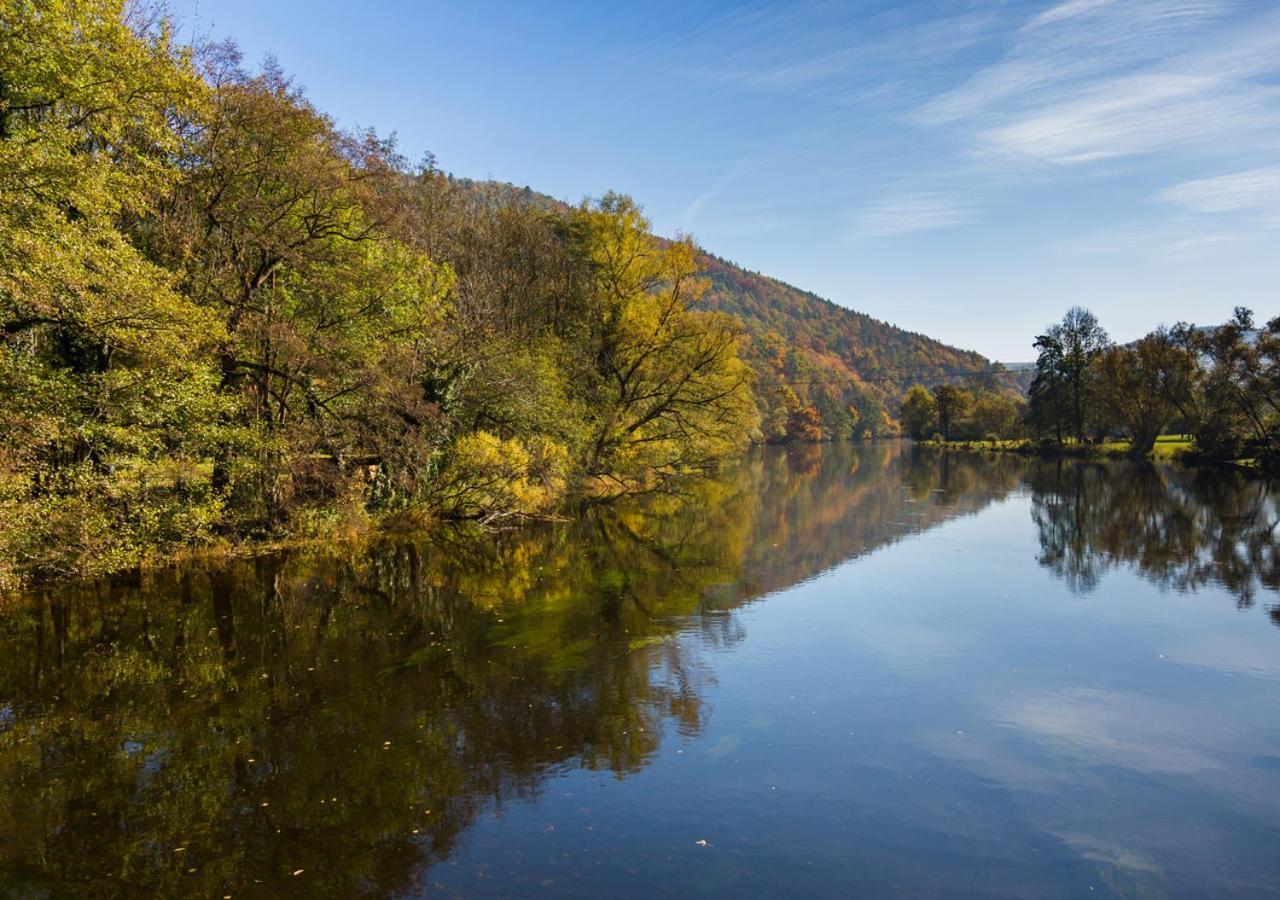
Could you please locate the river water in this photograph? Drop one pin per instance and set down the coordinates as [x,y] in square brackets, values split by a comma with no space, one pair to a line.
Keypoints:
[833,671]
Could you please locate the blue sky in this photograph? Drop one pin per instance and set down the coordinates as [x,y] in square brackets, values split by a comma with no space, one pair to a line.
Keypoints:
[964,169]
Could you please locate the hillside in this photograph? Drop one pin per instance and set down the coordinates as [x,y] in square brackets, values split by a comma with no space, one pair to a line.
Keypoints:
[825,371]
[849,368]
[877,351]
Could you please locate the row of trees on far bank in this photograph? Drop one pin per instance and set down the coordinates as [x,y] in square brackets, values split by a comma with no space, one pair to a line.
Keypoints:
[1220,385]
[975,411]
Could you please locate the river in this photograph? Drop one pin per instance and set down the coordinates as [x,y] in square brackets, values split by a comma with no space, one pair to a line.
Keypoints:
[832,671]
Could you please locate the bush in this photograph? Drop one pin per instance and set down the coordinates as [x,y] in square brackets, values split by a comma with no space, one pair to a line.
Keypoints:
[488,478]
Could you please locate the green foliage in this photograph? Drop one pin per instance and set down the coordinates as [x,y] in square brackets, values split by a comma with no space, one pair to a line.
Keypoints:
[1233,401]
[1064,392]
[919,412]
[952,404]
[1218,383]
[1143,386]
[106,394]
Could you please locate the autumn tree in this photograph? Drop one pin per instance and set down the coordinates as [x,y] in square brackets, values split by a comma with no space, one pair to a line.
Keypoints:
[919,412]
[104,396]
[671,392]
[281,228]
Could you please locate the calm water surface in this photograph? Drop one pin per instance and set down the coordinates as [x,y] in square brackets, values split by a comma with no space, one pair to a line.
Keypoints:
[836,672]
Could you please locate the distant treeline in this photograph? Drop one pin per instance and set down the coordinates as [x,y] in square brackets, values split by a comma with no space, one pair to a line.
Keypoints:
[1220,385]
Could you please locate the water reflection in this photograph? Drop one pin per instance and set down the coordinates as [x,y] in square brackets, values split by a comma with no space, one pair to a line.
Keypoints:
[348,716]
[1181,528]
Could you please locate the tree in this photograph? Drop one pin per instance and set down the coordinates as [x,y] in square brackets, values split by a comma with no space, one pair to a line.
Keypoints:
[1082,340]
[281,227]
[805,424]
[996,415]
[671,392]
[105,396]
[952,404]
[919,412]
[1144,385]
[1237,404]
[1048,397]
[1063,389]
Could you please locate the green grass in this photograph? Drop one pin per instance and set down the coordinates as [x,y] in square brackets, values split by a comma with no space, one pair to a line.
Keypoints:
[1168,447]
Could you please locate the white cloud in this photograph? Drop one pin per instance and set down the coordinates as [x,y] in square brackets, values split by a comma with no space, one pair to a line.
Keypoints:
[1133,115]
[1116,728]
[958,112]
[1045,67]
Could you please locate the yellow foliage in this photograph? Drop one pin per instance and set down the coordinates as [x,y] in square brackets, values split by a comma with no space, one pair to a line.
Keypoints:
[490,478]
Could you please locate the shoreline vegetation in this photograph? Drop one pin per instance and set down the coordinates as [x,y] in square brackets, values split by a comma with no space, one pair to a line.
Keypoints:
[227,325]
[226,322]
[1206,395]
[1168,448]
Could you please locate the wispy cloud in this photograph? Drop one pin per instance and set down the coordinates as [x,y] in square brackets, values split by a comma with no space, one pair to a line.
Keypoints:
[1205,214]
[909,213]
[1068,49]
[1068,10]
[1132,115]
[1185,83]
[959,112]
[1253,189]
[830,48]
[695,207]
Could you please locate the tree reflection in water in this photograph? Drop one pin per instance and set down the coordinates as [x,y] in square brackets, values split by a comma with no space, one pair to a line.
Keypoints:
[350,714]
[1181,528]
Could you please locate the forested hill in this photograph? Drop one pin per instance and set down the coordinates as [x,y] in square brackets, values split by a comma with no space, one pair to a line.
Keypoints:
[824,370]
[877,351]
[817,348]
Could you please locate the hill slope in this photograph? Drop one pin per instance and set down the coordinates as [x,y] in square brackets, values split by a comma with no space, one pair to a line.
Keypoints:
[824,370]
[831,356]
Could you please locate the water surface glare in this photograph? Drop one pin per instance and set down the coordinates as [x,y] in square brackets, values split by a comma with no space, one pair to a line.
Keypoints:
[835,671]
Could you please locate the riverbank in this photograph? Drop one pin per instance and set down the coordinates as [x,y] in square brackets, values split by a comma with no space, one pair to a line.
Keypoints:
[1168,448]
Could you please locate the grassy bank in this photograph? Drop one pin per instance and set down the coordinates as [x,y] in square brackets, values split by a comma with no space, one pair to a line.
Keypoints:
[1168,448]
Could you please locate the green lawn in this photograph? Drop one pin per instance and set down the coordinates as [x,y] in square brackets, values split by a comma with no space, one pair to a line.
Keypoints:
[1168,446]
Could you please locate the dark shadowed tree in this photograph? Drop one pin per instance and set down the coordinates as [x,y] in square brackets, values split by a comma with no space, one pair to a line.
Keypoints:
[1143,386]
[953,404]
